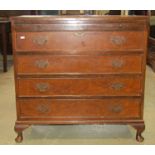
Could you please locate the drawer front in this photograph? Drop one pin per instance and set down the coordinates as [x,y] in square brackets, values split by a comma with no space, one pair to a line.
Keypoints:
[57,64]
[110,85]
[78,41]
[80,108]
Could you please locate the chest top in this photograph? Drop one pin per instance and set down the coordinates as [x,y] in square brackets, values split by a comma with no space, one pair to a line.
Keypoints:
[80,23]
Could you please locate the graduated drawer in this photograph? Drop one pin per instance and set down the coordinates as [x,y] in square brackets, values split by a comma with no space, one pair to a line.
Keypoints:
[79,41]
[108,85]
[58,64]
[71,109]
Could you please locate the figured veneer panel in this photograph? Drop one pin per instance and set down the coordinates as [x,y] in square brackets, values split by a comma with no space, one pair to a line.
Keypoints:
[88,64]
[72,109]
[78,41]
[109,86]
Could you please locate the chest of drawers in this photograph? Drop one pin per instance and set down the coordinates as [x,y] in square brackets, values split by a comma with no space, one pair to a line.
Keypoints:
[79,70]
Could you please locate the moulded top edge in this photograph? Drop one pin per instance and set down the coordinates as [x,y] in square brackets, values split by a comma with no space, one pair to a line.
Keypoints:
[81,17]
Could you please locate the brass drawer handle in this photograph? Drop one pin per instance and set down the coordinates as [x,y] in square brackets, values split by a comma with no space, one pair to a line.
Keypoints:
[42,108]
[40,40]
[42,87]
[116,108]
[41,63]
[79,34]
[118,40]
[117,86]
[117,63]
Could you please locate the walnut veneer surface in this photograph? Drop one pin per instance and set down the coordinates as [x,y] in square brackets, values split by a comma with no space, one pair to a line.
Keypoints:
[79,70]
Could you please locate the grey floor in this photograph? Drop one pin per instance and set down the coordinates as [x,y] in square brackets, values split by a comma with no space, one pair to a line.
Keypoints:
[72,134]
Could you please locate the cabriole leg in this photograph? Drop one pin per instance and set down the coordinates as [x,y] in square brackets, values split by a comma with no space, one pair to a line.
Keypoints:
[19,137]
[19,129]
[140,127]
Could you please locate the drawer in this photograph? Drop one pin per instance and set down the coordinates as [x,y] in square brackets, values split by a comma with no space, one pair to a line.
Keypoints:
[58,64]
[115,108]
[107,85]
[79,41]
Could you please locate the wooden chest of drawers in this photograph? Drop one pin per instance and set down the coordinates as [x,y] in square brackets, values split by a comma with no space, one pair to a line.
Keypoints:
[79,70]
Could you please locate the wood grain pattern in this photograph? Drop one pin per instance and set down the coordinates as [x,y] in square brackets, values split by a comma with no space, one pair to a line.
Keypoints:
[78,40]
[58,64]
[79,70]
[106,86]
[80,26]
[117,108]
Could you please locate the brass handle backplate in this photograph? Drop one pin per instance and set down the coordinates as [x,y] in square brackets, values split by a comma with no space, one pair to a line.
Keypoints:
[116,108]
[42,87]
[40,40]
[79,34]
[41,63]
[117,63]
[117,86]
[42,108]
[118,40]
